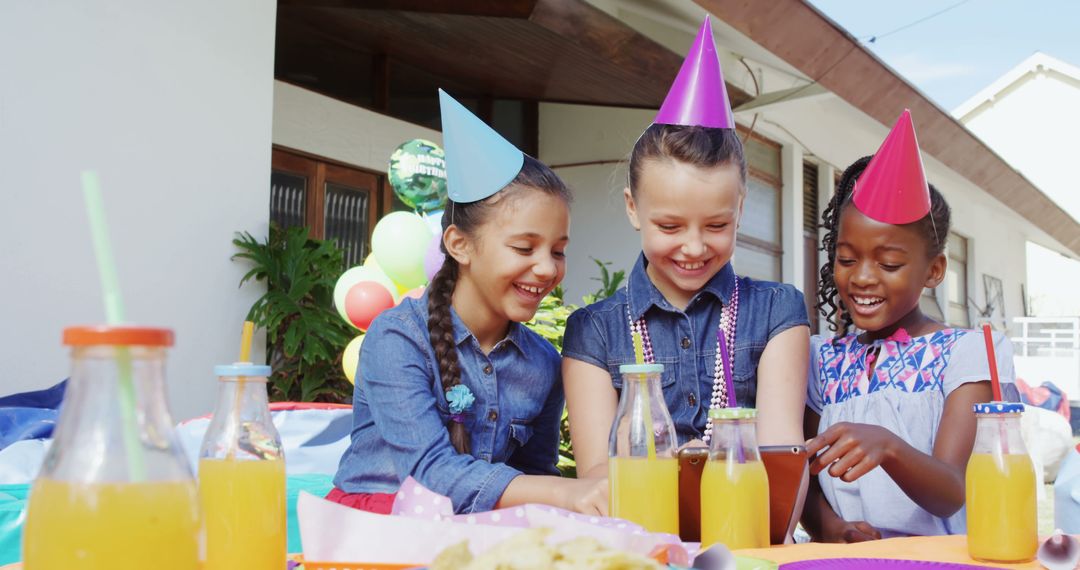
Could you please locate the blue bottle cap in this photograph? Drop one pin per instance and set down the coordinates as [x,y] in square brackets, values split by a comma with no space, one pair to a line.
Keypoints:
[641,368]
[998,408]
[242,369]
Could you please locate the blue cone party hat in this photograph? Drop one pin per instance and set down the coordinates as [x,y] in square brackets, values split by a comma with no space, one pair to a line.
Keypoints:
[479,161]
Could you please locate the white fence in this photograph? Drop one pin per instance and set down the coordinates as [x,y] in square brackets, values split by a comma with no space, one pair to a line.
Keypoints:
[1048,349]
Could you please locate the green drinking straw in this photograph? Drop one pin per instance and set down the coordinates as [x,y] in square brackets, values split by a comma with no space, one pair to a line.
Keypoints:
[114,315]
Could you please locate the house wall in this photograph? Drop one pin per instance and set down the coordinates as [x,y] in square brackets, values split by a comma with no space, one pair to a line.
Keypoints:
[171,104]
[313,123]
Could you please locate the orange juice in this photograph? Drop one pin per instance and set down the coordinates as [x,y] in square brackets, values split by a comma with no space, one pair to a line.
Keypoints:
[735,504]
[243,506]
[111,526]
[645,491]
[1001,515]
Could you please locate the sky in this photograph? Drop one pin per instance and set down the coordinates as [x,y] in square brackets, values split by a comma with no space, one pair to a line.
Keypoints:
[955,54]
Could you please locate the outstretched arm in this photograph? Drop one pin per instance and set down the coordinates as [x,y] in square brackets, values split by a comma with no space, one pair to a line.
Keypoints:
[935,482]
[591,402]
[819,519]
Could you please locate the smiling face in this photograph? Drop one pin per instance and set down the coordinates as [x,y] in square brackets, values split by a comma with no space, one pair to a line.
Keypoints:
[512,260]
[880,271]
[688,216]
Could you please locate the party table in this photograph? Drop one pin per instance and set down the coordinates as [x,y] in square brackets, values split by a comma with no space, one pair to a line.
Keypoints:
[926,548]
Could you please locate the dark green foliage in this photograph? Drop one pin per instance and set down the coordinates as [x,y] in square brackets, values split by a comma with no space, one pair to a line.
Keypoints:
[305,336]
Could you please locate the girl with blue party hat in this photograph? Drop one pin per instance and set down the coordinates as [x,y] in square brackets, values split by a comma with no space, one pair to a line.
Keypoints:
[451,388]
[686,192]
[890,408]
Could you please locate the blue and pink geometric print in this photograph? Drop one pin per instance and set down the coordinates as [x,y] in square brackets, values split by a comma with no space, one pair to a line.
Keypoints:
[902,363]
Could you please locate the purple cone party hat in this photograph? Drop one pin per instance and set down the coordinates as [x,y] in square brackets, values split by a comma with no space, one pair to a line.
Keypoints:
[479,161]
[698,97]
[893,187]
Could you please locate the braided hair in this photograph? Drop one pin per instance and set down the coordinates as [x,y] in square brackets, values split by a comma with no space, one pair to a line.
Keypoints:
[703,147]
[468,217]
[934,227]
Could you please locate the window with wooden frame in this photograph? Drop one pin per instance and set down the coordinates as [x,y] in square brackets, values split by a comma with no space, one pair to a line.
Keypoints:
[758,249]
[811,260]
[956,281]
[334,201]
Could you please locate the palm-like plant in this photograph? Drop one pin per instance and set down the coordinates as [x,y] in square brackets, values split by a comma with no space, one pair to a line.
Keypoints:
[305,336]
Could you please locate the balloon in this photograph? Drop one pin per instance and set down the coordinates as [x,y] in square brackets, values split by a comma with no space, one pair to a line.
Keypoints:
[434,222]
[433,258]
[351,358]
[354,276]
[415,293]
[399,242]
[418,174]
[365,301]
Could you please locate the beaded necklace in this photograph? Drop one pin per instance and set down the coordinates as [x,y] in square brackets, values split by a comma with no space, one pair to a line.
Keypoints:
[728,318]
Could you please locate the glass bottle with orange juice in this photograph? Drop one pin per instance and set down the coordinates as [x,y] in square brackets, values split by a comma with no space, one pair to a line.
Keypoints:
[643,472]
[114,491]
[1000,484]
[242,475]
[734,486]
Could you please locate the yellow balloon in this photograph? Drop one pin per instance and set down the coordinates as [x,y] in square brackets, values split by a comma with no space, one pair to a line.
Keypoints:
[350,359]
[401,290]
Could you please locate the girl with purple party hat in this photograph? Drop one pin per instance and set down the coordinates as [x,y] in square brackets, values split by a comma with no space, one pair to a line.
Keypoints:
[452,389]
[686,193]
[890,410]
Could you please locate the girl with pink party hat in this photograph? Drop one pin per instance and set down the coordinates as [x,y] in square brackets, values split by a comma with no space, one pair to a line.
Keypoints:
[890,409]
[686,192]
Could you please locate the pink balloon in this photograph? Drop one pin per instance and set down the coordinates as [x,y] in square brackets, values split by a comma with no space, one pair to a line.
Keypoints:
[415,293]
[365,301]
[434,257]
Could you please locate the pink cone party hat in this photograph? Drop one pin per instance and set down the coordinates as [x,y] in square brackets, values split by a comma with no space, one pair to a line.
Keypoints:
[893,187]
[698,96]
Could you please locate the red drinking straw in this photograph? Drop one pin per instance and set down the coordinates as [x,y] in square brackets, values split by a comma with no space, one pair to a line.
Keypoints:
[995,383]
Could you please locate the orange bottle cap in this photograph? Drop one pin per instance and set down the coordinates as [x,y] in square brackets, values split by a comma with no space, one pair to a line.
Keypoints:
[92,335]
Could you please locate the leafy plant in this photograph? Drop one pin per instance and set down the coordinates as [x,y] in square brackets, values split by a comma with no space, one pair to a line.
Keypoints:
[550,323]
[305,336]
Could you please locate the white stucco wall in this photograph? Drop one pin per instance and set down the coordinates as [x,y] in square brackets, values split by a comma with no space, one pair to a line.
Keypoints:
[316,124]
[171,104]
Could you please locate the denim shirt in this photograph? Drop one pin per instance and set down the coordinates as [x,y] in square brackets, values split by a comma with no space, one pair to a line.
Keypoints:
[685,341]
[400,411]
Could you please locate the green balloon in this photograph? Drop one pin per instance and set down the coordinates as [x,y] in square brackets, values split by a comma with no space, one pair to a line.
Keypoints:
[418,175]
[399,242]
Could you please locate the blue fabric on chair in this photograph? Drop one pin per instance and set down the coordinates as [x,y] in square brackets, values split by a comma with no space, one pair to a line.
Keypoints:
[48,398]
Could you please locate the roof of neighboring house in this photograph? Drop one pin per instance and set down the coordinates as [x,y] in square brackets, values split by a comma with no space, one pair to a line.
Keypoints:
[826,53]
[1024,71]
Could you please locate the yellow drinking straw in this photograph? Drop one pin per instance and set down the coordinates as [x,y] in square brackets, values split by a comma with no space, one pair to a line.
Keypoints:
[639,358]
[114,315]
[245,356]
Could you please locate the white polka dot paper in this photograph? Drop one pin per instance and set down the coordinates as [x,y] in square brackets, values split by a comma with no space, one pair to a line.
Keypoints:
[414,500]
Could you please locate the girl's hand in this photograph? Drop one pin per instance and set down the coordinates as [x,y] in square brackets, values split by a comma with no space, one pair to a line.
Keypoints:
[585,496]
[848,532]
[853,450]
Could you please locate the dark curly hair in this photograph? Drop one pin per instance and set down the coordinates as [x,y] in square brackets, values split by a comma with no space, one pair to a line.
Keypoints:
[934,227]
[468,217]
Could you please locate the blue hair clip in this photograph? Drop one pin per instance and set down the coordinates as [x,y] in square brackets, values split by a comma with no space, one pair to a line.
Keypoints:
[461,399]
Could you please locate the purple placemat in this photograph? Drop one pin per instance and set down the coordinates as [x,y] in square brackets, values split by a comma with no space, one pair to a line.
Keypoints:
[871,564]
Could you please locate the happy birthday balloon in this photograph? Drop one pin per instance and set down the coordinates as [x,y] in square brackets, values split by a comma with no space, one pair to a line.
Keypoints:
[399,241]
[418,175]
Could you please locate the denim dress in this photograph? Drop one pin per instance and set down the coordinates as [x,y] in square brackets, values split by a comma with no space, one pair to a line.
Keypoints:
[685,341]
[400,412]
